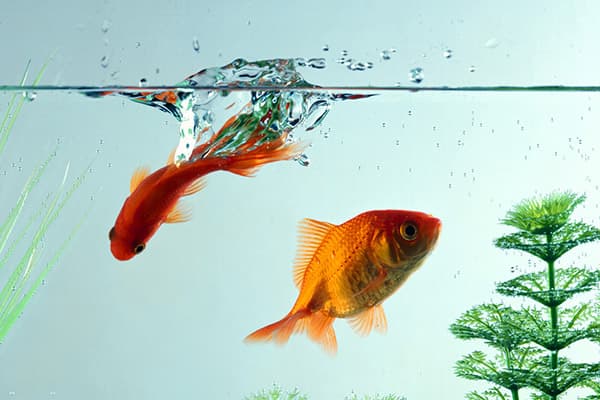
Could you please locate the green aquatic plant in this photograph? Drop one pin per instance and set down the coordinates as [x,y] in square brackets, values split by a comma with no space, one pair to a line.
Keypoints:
[527,341]
[22,282]
[277,393]
[354,396]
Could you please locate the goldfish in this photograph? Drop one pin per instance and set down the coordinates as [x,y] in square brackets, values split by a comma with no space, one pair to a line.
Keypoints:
[348,270]
[154,198]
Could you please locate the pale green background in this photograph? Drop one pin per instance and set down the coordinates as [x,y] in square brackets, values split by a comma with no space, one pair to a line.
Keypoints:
[170,323]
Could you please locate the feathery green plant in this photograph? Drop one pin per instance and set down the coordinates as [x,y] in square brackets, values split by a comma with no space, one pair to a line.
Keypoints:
[277,393]
[22,283]
[528,340]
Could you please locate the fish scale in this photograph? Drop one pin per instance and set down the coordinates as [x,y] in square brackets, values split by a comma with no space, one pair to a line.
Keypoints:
[346,283]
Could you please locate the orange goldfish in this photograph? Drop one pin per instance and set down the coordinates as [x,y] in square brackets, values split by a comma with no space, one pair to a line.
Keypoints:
[348,270]
[154,197]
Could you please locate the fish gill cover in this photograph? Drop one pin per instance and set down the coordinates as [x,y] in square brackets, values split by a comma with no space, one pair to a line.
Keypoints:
[241,91]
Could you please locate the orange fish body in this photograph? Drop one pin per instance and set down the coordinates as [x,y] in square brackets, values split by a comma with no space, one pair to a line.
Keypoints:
[154,198]
[348,270]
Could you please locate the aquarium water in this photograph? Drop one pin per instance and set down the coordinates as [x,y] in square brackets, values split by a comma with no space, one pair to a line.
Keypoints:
[456,109]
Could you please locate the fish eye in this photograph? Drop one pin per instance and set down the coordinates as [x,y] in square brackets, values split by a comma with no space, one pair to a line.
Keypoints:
[111,233]
[139,248]
[409,231]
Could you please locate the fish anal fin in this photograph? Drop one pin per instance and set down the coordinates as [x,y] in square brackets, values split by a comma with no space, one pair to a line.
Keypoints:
[138,176]
[373,317]
[195,187]
[179,213]
[320,330]
[310,236]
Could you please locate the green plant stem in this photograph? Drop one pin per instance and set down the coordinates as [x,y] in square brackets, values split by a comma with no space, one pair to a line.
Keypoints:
[508,356]
[553,316]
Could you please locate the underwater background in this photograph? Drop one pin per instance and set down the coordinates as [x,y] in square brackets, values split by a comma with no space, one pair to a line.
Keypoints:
[171,321]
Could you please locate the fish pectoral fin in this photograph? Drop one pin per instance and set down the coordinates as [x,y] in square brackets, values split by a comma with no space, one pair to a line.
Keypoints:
[138,176]
[378,280]
[310,236]
[372,317]
[195,187]
[179,213]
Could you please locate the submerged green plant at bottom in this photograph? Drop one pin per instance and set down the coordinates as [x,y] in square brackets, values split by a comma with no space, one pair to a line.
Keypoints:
[276,392]
[22,282]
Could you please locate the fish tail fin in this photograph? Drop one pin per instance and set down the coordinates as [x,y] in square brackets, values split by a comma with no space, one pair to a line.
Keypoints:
[99,94]
[279,331]
[318,325]
[246,164]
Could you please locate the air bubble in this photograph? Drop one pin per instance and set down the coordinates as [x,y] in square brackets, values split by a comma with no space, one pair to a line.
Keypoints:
[416,75]
[318,63]
[143,82]
[301,62]
[104,61]
[325,47]
[357,66]
[492,43]
[303,160]
[30,96]
[105,26]
[472,68]
[387,54]
[196,44]
[447,53]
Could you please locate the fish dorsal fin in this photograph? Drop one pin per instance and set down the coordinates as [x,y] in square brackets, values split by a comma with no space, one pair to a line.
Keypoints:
[138,176]
[372,317]
[171,158]
[195,187]
[310,235]
[180,213]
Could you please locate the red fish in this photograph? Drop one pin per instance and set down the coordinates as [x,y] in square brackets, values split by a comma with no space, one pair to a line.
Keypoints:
[154,198]
[348,270]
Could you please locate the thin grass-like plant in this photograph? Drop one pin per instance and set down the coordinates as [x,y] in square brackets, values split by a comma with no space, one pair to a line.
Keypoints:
[27,274]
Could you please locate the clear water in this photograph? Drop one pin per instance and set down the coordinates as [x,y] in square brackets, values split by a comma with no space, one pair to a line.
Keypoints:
[505,109]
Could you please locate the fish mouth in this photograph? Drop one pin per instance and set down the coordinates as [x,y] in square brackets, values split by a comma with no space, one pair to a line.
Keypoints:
[435,227]
[119,254]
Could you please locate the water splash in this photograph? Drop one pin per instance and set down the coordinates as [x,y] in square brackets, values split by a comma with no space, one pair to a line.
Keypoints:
[240,115]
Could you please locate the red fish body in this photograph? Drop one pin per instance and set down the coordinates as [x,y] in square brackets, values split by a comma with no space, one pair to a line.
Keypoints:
[154,198]
[348,270]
